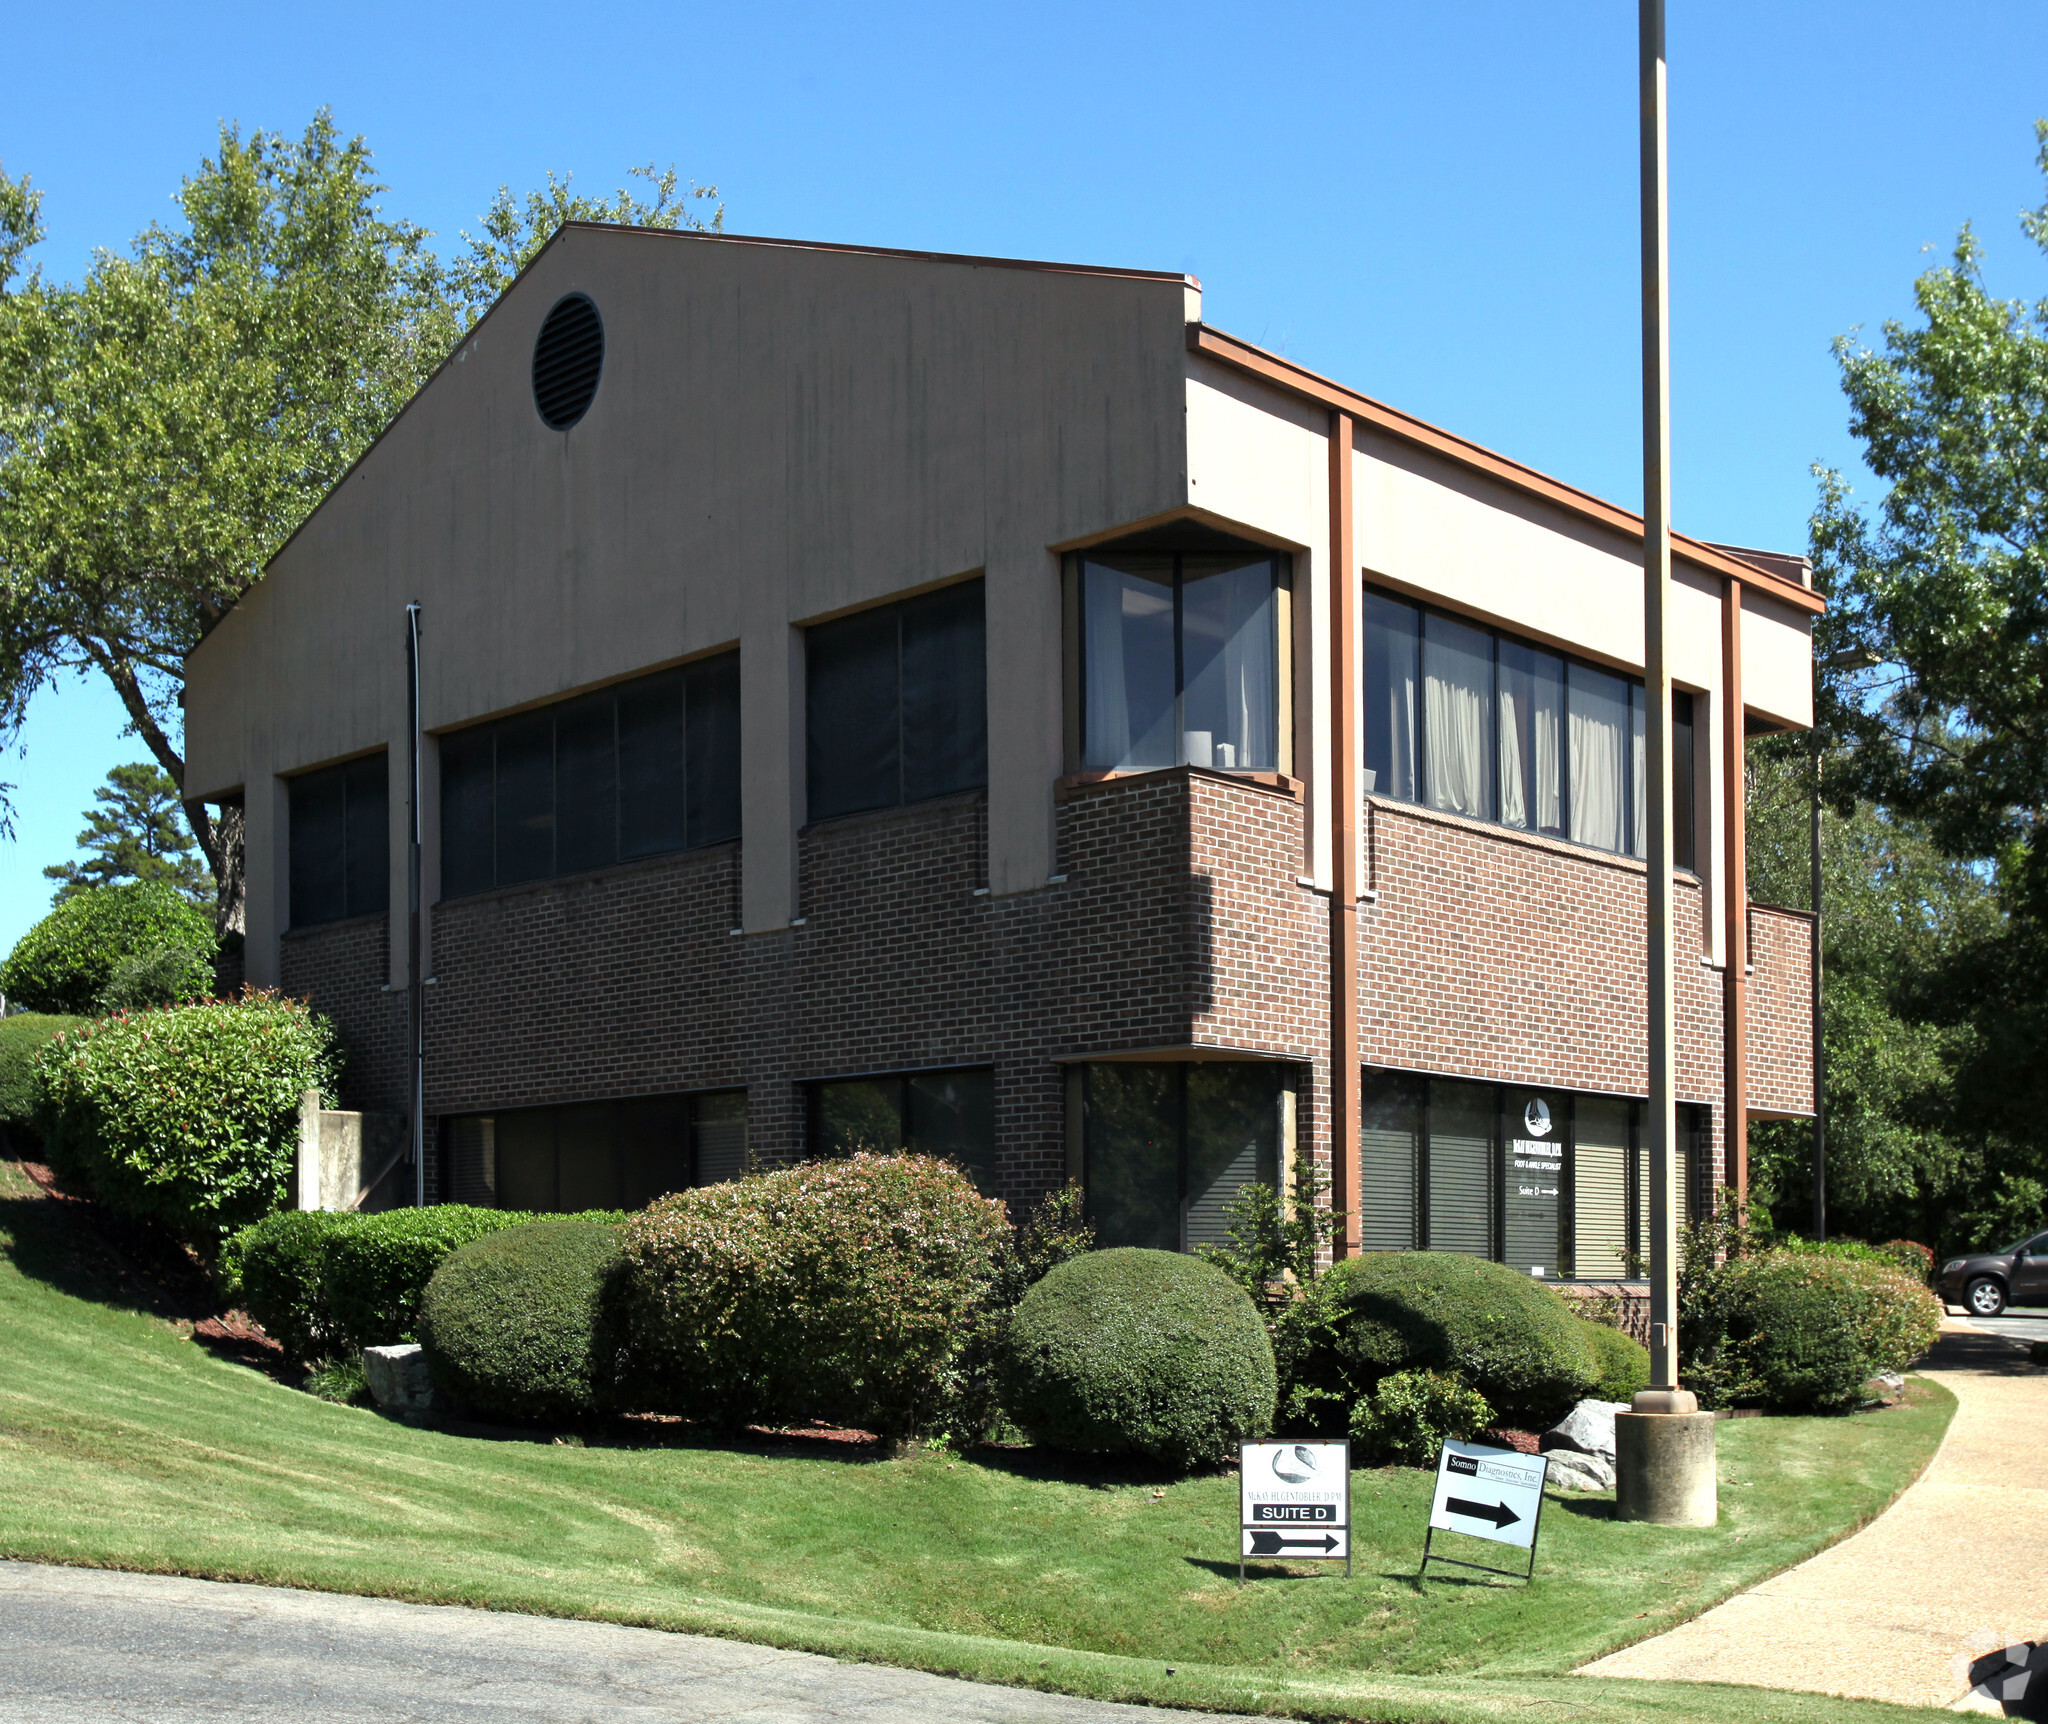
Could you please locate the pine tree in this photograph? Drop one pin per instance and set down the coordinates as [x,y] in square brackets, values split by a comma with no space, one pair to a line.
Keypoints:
[136,833]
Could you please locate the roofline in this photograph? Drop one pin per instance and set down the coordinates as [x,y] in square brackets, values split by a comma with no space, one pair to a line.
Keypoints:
[971,259]
[1297,380]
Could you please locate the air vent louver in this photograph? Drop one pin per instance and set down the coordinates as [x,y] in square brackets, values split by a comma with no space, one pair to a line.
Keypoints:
[567,361]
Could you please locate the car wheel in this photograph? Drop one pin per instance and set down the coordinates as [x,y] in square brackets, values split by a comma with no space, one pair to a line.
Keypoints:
[1984,1297]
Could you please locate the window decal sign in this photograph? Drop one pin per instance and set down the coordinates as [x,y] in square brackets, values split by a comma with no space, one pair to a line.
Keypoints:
[1494,1494]
[1294,1502]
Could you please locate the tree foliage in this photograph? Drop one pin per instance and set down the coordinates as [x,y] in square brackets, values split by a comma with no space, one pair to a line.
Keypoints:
[136,832]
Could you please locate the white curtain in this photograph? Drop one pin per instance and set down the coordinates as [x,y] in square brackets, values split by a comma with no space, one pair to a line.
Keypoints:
[1531,717]
[1389,671]
[1108,722]
[1599,731]
[1250,713]
[1639,841]
[1457,717]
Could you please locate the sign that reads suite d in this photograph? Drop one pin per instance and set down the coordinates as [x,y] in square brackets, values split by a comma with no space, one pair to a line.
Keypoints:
[1295,1500]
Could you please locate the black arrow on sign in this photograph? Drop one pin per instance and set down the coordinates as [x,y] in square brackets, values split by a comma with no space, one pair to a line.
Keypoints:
[1272,1544]
[1499,1513]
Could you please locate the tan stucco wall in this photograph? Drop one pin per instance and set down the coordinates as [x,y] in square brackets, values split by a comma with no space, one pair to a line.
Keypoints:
[781,433]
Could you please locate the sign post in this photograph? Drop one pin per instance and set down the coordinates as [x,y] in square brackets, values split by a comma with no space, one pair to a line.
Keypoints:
[1487,1493]
[1294,1501]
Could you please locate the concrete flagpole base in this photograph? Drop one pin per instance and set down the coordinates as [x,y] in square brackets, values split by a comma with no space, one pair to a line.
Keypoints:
[1664,1461]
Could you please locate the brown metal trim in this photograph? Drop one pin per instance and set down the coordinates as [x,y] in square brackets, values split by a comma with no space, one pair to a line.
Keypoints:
[1285,374]
[1346,808]
[1273,783]
[1734,896]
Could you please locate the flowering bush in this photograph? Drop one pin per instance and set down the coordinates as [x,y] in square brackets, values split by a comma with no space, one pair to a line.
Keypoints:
[1406,1418]
[186,1116]
[67,961]
[1916,1259]
[842,1289]
[1801,1330]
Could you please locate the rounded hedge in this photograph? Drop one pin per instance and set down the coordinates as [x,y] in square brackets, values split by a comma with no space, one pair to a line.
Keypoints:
[186,1116]
[1622,1362]
[21,1039]
[374,1274]
[272,1269]
[67,960]
[1140,1352]
[525,1325]
[1496,1330]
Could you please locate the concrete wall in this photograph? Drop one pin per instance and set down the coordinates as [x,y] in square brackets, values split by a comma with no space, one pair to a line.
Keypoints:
[781,433]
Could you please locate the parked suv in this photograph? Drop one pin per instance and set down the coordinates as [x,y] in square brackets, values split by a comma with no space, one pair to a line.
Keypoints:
[1988,1282]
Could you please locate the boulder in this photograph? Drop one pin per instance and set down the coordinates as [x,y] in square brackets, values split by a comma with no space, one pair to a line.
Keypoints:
[1572,1471]
[1588,1429]
[398,1379]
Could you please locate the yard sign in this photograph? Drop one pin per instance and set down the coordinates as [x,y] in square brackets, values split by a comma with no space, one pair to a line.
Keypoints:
[1487,1493]
[1294,1501]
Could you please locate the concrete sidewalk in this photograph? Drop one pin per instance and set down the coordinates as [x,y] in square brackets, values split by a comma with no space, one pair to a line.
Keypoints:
[1950,1570]
[85,1646]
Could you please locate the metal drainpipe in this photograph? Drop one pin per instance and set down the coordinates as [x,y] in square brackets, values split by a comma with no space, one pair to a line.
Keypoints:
[1820,1049]
[415,993]
[1345,1188]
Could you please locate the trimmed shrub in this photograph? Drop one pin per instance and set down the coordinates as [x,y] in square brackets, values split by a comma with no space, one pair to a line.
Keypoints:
[1502,1333]
[373,1274]
[526,1324]
[1140,1352]
[186,1116]
[161,976]
[1802,1330]
[21,1040]
[1916,1259]
[844,1289]
[1621,1361]
[273,1270]
[1407,1418]
[65,962]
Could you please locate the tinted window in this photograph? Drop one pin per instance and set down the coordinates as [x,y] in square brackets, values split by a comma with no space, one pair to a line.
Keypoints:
[948,1114]
[648,766]
[593,1155]
[340,842]
[1171,1145]
[896,703]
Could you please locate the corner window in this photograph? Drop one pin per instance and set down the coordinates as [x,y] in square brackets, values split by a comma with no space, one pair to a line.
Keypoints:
[1169,1145]
[638,769]
[949,1114]
[1180,660]
[339,843]
[896,703]
[593,1155]
[1551,1183]
[1490,727]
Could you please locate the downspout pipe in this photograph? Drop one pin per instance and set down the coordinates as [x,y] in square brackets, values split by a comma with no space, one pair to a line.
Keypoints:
[415,991]
[1347,808]
[1734,898]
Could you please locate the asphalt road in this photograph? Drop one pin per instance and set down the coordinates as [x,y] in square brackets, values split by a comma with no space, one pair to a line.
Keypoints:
[88,1646]
[2030,1324]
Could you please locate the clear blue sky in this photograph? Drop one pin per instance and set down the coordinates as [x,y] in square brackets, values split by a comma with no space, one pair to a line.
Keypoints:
[1435,204]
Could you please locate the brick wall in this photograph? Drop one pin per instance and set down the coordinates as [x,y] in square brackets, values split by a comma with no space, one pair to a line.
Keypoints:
[1180,921]
[1780,1017]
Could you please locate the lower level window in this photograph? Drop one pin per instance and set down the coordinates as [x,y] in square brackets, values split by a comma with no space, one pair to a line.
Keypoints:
[949,1114]
[1546,1181]
[594,1155]
[1167,1146]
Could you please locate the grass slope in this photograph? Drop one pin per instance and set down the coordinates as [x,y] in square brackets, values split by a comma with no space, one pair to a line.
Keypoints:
[124,1445]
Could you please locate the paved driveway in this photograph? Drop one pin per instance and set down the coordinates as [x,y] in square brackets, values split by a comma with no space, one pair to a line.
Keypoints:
[89,1646]
[2016,1325]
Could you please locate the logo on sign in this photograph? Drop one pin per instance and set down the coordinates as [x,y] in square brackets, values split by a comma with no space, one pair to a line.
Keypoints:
[1295,1466]
[1536,1117]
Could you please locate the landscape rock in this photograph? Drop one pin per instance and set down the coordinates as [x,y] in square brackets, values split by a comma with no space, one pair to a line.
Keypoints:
[1588,1429]
[398,1379]
[1572,1471]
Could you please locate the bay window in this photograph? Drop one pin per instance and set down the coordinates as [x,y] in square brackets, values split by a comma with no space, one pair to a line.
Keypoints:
[1180,659]
[1481,724]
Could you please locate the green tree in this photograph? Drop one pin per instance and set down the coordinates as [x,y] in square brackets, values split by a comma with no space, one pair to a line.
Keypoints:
[136,833]
[167,423]
[1945,584]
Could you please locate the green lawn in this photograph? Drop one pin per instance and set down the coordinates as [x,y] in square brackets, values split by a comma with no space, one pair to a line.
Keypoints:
[125,1445]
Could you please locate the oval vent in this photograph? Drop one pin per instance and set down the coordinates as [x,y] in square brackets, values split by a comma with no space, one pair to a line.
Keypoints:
[567,360]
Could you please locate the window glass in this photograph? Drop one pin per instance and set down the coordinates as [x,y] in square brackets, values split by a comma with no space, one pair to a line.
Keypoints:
[587,1157]
[860,1114]
[642,768]
[718,1136]
[1682,782]
[1230,707]
[1461,1167]
[1180,661]
[1133,1154]
[1457,717]
[1389,1153]
[1389,677]
[339,842]
[1598,707]
[1531,738]
[592,1155]
[1233,1138]
[945,693]
[526,1160]
[1532,1182]
[953,1115]
[1600,1148]
[1127,649]
[653,1148]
